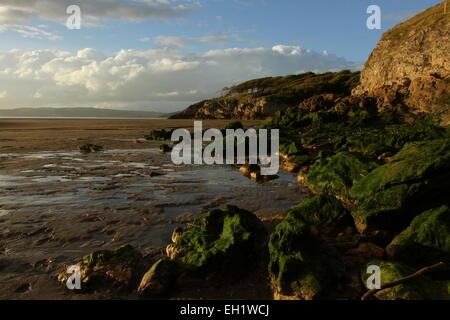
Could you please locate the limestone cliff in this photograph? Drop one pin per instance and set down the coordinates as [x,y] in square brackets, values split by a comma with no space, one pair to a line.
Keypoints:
[410,67]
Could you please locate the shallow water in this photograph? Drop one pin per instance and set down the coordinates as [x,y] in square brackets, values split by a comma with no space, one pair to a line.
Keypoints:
[62,205]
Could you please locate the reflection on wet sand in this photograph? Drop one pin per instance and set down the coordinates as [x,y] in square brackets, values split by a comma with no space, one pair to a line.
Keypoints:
[57,206]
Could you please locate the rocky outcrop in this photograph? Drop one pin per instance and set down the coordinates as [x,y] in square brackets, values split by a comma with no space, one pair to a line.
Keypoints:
[417,178]
[260,98]
[410,67]
[427,239]
[338,173]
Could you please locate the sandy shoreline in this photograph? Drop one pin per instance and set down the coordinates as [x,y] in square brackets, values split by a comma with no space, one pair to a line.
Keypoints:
[57,205]
[32,135]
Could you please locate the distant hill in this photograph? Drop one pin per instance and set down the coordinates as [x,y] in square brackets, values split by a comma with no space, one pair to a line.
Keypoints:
[260,98]
[79,113]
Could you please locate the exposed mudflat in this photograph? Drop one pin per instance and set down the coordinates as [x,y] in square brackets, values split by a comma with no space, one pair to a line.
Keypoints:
[57,206]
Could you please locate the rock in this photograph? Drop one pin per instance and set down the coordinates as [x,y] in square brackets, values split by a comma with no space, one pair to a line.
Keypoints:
[301,267]
[117,270]
[410,65]
[368,250]
[321,102]
[323,211]
[291,149]
[416,179]
[222,244]
[158,135]
[262,98]
[177,232]
[248,169]
[422,288]
[90,148]
[338,173]
[159,280]
[426,241]
[253,171]
[165,148]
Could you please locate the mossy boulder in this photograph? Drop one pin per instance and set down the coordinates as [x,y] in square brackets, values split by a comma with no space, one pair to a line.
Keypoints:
[338,173]
[421,288]
[90,148]
[426,240]
[221,244]
[301,266]
[417,178]
[105,269]
[323,211]
[159,279]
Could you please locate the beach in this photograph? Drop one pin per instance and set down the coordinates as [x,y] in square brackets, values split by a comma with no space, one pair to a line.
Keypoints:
[57,204]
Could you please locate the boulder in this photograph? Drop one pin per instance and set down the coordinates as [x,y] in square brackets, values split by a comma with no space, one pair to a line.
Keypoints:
[221,244]
[426,241]
[301,266]
[421,288]
[416,179]
[116,270]
[159,279]
[323,211]
[338,173]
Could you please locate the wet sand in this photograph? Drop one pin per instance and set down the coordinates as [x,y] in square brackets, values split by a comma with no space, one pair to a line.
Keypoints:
[25,135]
[56,204]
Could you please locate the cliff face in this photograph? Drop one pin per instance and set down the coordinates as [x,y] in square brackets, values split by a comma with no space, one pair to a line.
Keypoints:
[260,98]
[410,67]
[409,70]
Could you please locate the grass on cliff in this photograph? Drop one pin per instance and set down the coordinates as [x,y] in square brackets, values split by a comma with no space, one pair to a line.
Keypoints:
[295,88]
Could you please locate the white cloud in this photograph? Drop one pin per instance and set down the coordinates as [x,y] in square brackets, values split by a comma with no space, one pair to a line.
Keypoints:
[164,78]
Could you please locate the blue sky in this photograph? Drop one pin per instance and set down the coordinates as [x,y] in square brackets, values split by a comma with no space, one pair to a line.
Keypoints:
[174,36]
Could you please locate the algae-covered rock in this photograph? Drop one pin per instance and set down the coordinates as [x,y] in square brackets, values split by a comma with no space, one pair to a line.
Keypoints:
[426,240]
[323,211]
[421,288]
[159,279]
[291,149]
[221,243]
[416,179]
[337,174]
[116,269]
[301,266]
[90,148]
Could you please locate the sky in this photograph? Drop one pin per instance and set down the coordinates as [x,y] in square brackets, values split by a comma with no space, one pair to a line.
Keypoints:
[163,55]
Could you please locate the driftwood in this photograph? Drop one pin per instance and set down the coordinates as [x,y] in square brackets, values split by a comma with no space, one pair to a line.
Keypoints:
[419,273]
